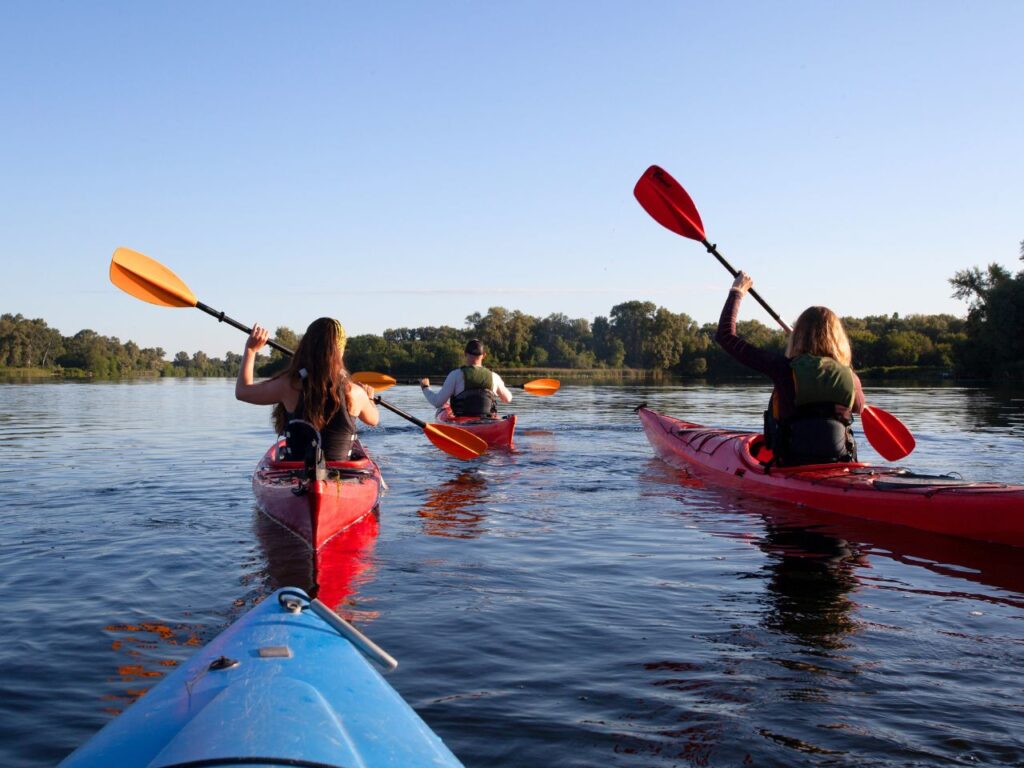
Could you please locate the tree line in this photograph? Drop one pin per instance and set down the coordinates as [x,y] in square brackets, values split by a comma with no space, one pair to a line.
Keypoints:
[987,344]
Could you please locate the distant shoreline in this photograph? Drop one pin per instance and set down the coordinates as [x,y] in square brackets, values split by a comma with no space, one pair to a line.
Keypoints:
[904,374]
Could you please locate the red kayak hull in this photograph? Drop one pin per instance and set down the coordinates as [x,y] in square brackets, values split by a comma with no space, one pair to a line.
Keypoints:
[318,510]
[497,432]
[991,512]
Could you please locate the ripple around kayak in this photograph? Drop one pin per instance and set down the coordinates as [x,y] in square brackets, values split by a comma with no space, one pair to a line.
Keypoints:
[280,686]
[992,512]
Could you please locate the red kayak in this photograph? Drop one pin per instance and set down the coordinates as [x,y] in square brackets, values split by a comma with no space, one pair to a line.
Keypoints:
[316,510]
[497,432]
[942,504]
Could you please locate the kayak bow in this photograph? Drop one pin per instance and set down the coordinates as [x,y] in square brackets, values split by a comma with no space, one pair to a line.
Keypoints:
[289,683]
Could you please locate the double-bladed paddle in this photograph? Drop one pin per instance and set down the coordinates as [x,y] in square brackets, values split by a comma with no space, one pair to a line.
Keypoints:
[381,381]
[669,204]
[149,280]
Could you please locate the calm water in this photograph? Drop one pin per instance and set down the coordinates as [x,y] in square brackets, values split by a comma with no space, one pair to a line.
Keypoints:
[571,604]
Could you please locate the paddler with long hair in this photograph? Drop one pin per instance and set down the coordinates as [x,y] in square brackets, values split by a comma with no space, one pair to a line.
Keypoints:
[315,387]
[809,417]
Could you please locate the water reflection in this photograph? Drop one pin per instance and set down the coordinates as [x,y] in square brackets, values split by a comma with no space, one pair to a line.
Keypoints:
[1001,409]
[334,573]
[455,509]
[847,543]
[145,658]
[810,576]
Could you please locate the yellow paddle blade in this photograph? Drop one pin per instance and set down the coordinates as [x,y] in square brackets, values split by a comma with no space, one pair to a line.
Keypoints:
[149,280]
[379,381]
[542,387]
[455,441]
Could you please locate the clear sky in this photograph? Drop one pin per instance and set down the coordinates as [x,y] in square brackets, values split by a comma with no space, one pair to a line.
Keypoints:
[408,163]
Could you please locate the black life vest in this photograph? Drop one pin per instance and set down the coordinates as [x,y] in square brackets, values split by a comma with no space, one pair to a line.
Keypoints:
[816,432]
[477,399]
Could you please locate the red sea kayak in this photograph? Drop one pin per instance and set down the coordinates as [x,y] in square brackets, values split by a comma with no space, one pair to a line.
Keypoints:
[942,504]
[316,510]
[497,432]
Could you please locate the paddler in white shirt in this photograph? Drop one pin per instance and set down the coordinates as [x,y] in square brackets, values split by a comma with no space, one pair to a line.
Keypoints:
[470,390]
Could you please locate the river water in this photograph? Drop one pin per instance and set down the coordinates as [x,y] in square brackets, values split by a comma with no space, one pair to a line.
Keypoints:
[573,603]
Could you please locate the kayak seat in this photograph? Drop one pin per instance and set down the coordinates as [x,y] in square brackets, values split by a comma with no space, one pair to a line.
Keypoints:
[760,451]
[302,443]
[300,438]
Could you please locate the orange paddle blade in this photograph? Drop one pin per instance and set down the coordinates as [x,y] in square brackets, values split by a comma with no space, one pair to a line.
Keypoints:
[149,280]
[542,387]
[455,441]
[379,381]
[886,433]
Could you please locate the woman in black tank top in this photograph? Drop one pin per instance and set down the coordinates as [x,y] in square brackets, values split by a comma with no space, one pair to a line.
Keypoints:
[315,387]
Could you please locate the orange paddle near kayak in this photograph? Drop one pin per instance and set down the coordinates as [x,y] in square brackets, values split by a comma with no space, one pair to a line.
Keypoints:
[497,432]
[147,279]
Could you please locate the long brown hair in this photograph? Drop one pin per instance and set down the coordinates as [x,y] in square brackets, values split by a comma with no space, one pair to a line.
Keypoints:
[819,331]
[317,368]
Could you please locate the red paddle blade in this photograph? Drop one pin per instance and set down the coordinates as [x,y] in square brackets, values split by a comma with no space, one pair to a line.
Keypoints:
[887,434]
[668,203]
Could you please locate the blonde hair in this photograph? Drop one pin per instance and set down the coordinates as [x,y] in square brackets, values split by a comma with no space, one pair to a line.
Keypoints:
[819,331]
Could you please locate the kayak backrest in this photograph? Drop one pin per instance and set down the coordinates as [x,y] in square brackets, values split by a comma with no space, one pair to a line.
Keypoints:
[302,443]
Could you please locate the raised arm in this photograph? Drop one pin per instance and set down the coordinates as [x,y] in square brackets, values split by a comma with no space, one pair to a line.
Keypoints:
[363,407]
[753,357]
[265,392]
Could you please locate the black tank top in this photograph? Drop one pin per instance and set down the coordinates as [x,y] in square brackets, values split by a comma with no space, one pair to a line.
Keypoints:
[337,435]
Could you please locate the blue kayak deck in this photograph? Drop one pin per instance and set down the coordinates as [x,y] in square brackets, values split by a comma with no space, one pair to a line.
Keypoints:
[298,694]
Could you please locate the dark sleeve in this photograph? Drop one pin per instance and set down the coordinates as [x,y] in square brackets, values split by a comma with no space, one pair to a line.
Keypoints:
[770,363]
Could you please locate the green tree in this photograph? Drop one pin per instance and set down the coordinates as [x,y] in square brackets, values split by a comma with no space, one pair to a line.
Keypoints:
[995,322]
[631,323]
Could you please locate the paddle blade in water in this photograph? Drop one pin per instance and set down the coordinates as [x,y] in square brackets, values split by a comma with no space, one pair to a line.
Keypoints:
[668,203]
[379,381]
[542,387]
[887,434]
[149,280]
[457,442]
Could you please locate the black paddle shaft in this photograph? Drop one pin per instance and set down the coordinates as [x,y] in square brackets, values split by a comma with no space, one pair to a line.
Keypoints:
[232,322]
[713,249]
[419,423]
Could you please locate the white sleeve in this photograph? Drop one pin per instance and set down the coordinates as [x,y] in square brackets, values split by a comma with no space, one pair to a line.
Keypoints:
[439,398]
[499,388]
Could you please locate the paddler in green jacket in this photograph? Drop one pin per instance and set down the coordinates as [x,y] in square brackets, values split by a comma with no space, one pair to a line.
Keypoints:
[471,390]
[810,415]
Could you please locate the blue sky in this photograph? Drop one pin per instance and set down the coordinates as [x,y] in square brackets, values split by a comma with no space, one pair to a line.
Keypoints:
[404,164]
